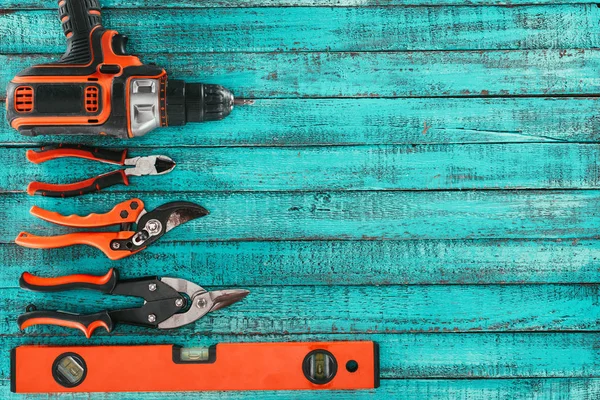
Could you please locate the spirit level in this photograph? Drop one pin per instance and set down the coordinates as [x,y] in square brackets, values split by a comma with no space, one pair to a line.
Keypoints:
[226,366]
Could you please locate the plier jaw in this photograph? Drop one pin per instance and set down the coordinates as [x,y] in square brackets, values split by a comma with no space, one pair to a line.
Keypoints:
[151,226]
[165,305]
[149,165]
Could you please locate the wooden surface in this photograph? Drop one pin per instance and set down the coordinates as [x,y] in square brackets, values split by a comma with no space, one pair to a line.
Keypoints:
[421,173]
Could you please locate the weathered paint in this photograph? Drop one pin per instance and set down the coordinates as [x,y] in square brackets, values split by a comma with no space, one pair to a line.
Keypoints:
[49,4]
[396,74]
[363,262]
[355,309]
[414,356]
[401,167]
[359,215]
[412,389]
[310,122]
[325,29]
[323,208]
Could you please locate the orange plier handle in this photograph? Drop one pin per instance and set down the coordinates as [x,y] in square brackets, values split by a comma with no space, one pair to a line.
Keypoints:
[116,157]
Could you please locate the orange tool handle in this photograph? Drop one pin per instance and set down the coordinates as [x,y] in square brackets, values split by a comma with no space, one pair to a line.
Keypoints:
[85,323]
[78,188]
[116,157]
[105,283]
[99,240]
[125,212]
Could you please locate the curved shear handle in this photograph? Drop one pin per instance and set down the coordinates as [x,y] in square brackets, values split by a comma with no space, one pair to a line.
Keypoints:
[105,283]
[125,212]
[99,240]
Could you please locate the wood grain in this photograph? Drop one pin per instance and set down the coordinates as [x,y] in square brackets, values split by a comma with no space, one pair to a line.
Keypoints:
[350,310]
[412,356]
[288,263]
[302,122]
[362,215]
[420,173]
[411,389]
[396,74]
[49,4]
[325,29]
[401,167]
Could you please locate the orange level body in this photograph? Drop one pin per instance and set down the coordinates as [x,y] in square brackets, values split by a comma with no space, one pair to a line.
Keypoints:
[230,367]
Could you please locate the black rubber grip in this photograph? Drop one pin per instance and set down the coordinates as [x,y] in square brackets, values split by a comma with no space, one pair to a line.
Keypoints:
[86,323]
[92,185]
[78,18]
[108,156]
[104,284]
[104,155]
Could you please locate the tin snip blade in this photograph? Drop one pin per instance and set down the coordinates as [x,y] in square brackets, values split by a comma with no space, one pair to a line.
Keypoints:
[150,226]
[169,302]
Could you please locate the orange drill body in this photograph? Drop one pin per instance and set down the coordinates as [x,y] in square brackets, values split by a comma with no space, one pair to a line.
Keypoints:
[96,88]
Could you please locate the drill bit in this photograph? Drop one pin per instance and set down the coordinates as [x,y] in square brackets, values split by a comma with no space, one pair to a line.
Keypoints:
[242,102]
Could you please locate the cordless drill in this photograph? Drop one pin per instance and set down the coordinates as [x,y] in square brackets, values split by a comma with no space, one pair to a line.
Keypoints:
[96,88]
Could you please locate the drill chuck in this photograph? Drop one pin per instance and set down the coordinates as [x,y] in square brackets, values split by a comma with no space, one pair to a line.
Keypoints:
[197,102]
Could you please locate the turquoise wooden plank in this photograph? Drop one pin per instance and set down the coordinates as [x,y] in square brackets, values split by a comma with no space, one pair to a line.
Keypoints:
[370,121]
[324,29]
[329,262]
[472,389]
[410,356]
[277,270]
[398,74]
[404,167]
[362,215]
[352,309]
[50,4]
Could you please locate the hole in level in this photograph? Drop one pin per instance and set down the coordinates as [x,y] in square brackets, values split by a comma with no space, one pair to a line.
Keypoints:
[351,366]
[93,121]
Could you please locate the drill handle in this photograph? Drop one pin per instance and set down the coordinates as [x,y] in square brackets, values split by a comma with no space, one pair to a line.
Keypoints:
[79,18]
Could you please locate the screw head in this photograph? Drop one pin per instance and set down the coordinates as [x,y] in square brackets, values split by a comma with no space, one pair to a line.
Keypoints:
[124,214]
[151,318]
[201,303]
[116,245]
[153,226]
[179,302]
[152,287]
[134,205]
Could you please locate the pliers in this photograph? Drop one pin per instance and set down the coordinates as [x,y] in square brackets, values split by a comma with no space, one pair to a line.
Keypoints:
[150,165]
[150,226]
[166,305]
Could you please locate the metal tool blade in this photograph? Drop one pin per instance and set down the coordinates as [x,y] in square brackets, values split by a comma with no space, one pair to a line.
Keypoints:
[201,302]
[183,212]
[164,165]
[150,165]
[154,224]
[227,297]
